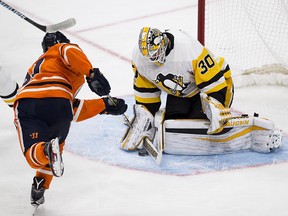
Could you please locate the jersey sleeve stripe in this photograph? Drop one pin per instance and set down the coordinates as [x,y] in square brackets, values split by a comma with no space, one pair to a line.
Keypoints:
[148,90]
[50,83]
[214,79]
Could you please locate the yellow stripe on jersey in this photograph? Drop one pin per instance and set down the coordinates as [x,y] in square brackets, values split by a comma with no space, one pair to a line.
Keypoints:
[9,102]
[147,100]
[140,81]
[9,99]
[215,87]
[144,90]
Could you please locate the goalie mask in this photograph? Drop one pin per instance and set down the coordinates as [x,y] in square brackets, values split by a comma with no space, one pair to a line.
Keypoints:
[152,44]
[51,39]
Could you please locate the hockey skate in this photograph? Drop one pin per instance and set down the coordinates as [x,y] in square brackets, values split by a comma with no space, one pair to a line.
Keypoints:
[52,151]
[37,191]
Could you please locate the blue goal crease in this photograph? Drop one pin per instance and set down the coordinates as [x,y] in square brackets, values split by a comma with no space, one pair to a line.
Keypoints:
[100,137]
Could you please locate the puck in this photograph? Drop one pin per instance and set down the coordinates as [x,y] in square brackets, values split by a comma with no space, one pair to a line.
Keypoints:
[142,152]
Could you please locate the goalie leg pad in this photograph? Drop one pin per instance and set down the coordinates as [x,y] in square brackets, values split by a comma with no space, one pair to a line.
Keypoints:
[189,137]
[265,137]
[266,141]
[142,127]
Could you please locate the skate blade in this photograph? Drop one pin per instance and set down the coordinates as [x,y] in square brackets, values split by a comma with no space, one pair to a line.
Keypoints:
[34,209]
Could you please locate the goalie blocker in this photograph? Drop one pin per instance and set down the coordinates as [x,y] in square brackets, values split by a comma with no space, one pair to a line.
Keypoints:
[189,136]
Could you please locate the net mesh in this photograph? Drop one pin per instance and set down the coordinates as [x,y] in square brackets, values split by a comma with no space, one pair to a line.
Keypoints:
[252,36]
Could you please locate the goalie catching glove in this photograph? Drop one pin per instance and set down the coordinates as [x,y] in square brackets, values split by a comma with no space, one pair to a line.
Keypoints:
[215,112]
[98,83]
[115,107]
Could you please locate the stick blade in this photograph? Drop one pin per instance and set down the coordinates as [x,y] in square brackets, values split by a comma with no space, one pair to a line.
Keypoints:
[152,151]
[61,26]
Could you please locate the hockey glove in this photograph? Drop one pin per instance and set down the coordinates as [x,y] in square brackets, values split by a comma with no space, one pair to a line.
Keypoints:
[215,112]
[115,107]
[98,83]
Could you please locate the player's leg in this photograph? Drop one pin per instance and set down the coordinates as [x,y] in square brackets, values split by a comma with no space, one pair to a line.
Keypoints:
[58,121]
[37,121]
[32,135]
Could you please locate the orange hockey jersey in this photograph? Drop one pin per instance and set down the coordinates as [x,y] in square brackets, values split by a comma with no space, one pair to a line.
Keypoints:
[60,72]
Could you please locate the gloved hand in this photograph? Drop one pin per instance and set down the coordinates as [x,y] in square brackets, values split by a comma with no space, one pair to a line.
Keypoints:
[98,83]
[215,112]
[115,107]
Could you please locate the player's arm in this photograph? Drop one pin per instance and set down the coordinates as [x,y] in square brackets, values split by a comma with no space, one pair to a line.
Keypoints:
[147,97]
[145,92]
[213,77]
[74,58]
[85,109]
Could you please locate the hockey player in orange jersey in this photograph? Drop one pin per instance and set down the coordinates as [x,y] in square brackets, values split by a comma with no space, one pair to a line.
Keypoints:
[46,105]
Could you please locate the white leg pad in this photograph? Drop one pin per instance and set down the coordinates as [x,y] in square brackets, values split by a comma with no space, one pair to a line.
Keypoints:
[189,137]
[142,127]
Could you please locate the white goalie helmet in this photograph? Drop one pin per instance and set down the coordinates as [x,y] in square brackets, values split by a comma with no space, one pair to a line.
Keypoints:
[152,44]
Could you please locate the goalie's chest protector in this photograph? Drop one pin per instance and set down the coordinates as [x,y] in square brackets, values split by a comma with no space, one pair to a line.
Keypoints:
[176,76]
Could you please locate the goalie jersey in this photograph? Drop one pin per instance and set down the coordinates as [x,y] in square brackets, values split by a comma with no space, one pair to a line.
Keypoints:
[60,72]
[189,69]
[8,87]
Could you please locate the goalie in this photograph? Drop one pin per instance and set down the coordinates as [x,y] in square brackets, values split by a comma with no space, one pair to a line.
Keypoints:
[197,119]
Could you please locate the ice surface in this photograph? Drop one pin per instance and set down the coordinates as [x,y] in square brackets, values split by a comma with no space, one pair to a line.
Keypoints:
[107,31]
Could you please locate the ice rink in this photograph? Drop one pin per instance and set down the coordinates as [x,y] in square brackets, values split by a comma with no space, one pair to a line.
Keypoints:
[107,31]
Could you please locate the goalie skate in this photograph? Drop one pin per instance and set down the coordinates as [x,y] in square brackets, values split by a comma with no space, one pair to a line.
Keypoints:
[52,151]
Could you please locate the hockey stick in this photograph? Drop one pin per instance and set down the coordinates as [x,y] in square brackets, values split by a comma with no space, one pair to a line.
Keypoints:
[152,151]
[50,28]
[156,151]
[126,119]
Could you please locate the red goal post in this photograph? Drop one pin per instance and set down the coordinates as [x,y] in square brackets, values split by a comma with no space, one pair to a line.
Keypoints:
[251,35]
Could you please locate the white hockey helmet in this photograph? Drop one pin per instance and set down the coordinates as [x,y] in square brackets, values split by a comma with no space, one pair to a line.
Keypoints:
[152,44]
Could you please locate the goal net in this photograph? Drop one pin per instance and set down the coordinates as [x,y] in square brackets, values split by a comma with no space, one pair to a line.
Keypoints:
[251,35]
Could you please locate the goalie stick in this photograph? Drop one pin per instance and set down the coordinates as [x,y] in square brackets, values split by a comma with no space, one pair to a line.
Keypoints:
[156,151]
[50,28]
[152,151]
